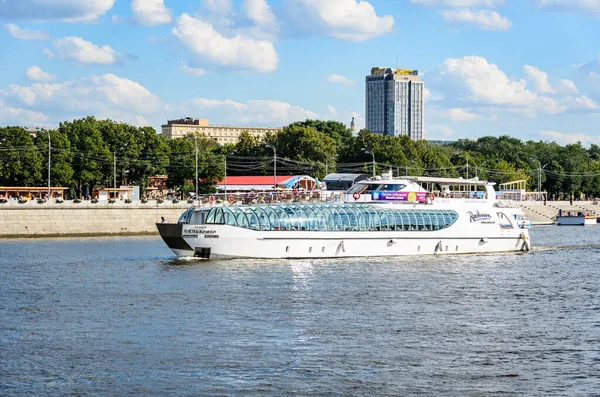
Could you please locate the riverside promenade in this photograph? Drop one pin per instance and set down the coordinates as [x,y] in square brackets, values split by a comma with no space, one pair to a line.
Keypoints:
[68,219]
[541,214]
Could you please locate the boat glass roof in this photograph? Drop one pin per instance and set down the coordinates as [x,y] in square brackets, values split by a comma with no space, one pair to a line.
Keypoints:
[331,217]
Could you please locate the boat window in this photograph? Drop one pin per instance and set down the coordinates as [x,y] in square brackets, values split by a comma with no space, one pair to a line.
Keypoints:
[364,188]
[219,215]
[252,218]
[504,220]
[210,218]
[186,216]
[332,217]
[229,217]
[392,187]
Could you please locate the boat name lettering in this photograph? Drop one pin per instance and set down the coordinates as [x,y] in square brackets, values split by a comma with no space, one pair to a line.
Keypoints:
[479,216]
[211,236]
[200,231]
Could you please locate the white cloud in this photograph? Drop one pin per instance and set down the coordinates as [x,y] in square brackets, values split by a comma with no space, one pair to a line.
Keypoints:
[253,112]
[150,12]
[239,52]
[588,6]
[480,81]
[196,72]
[591,68]
[570,138]
[459,3]
[582,103]
[260,13]
[539,79]
[105,95]
[336,78]
[141,121]
[63,10]
[483,19]
[568,86]
[19,116]
[331,110]
[474,80]
[460,114]
[217,6]
[427,96]
[353,20]
[444,130]
[79,50]
[35,73]
[24,33]
[48,53]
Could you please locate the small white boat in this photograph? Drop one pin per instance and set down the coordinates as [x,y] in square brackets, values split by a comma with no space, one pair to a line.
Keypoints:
[384,217]
[579,219]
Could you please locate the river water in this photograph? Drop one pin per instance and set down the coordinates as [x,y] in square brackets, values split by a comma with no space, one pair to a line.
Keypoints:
[121,316]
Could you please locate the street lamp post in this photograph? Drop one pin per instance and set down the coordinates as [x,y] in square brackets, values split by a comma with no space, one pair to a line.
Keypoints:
[274,164]
[49,162]
[371,153]
[196,142]
[327,164]
[467,159]
[225,171]
[539,176]
[225,168]
[114,175]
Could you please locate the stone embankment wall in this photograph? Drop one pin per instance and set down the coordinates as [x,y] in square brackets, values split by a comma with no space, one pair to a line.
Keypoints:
[52,219]
[84,219]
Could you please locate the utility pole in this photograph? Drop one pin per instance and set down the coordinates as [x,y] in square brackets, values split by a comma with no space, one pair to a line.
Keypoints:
[196,141]
[114,175]
[371,153]
[274,164]
[49,162]
[225,168]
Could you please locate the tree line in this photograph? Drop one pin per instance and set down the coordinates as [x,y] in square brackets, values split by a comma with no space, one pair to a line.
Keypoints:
[86,152]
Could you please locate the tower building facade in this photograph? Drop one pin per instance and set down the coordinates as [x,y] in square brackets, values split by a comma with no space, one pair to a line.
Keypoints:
[394,102]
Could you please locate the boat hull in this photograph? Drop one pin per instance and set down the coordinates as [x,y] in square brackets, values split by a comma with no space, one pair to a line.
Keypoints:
[224,241]
[576,220]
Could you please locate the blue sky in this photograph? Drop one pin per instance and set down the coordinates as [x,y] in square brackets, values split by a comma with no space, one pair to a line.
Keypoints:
[526,68]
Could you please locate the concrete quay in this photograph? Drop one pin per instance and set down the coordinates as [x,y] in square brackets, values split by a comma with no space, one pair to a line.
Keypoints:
[68,219]
[539,213]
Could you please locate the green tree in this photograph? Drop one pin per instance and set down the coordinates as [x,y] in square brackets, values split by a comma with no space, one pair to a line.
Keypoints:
[61,171]
[20,160]
[153,157]
[92,159]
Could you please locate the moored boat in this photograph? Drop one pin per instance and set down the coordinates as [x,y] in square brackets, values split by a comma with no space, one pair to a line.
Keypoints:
[384,217]
[575,219]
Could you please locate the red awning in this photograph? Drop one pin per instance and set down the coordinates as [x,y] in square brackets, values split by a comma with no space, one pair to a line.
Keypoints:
[254,180]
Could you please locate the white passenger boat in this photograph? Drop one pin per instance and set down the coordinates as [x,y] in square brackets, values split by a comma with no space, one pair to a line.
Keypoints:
[382,217]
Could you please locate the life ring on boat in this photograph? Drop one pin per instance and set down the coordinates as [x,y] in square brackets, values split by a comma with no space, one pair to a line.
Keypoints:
[231,199]
[211,199]
[356,195]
